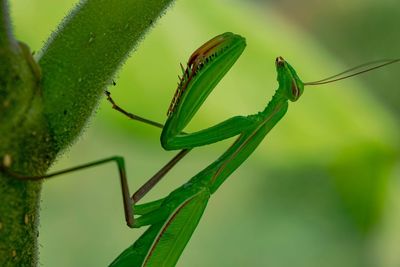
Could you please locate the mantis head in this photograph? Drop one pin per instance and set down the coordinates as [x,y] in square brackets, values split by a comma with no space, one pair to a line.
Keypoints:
[289,83]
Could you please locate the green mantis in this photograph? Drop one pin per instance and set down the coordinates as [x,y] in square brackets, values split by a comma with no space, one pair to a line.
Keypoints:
[173,219]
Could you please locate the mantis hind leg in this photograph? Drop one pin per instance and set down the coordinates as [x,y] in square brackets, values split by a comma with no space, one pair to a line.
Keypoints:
[128,201]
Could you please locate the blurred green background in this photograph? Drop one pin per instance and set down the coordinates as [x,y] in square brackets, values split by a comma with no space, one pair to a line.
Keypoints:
[321,190]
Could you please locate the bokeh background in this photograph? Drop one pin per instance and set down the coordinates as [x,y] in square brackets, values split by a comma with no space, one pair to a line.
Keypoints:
[321,190]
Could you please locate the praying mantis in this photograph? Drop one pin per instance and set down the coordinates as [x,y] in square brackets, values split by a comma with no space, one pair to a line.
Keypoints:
[173,219]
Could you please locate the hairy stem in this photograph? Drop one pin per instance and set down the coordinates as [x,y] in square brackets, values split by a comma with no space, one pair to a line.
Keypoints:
[6,37]
[43,107]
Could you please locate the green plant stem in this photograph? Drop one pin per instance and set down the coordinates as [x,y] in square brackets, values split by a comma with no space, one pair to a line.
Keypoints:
[43,114]
[5,28]
[19,200]
[81,58]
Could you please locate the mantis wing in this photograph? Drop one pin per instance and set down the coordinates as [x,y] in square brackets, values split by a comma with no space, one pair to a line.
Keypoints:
[163,243]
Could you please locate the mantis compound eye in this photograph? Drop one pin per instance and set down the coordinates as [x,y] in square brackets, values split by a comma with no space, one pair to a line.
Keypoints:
[279,62]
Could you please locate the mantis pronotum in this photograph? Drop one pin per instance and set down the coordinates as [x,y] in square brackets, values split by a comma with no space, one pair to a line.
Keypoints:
[173,219]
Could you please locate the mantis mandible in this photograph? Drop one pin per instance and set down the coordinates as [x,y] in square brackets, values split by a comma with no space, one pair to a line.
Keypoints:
[173,219]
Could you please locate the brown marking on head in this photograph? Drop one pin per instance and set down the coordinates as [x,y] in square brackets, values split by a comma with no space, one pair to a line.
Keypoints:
[279,61]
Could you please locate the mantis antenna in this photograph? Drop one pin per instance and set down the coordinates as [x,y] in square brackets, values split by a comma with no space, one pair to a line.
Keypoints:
[354,71]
